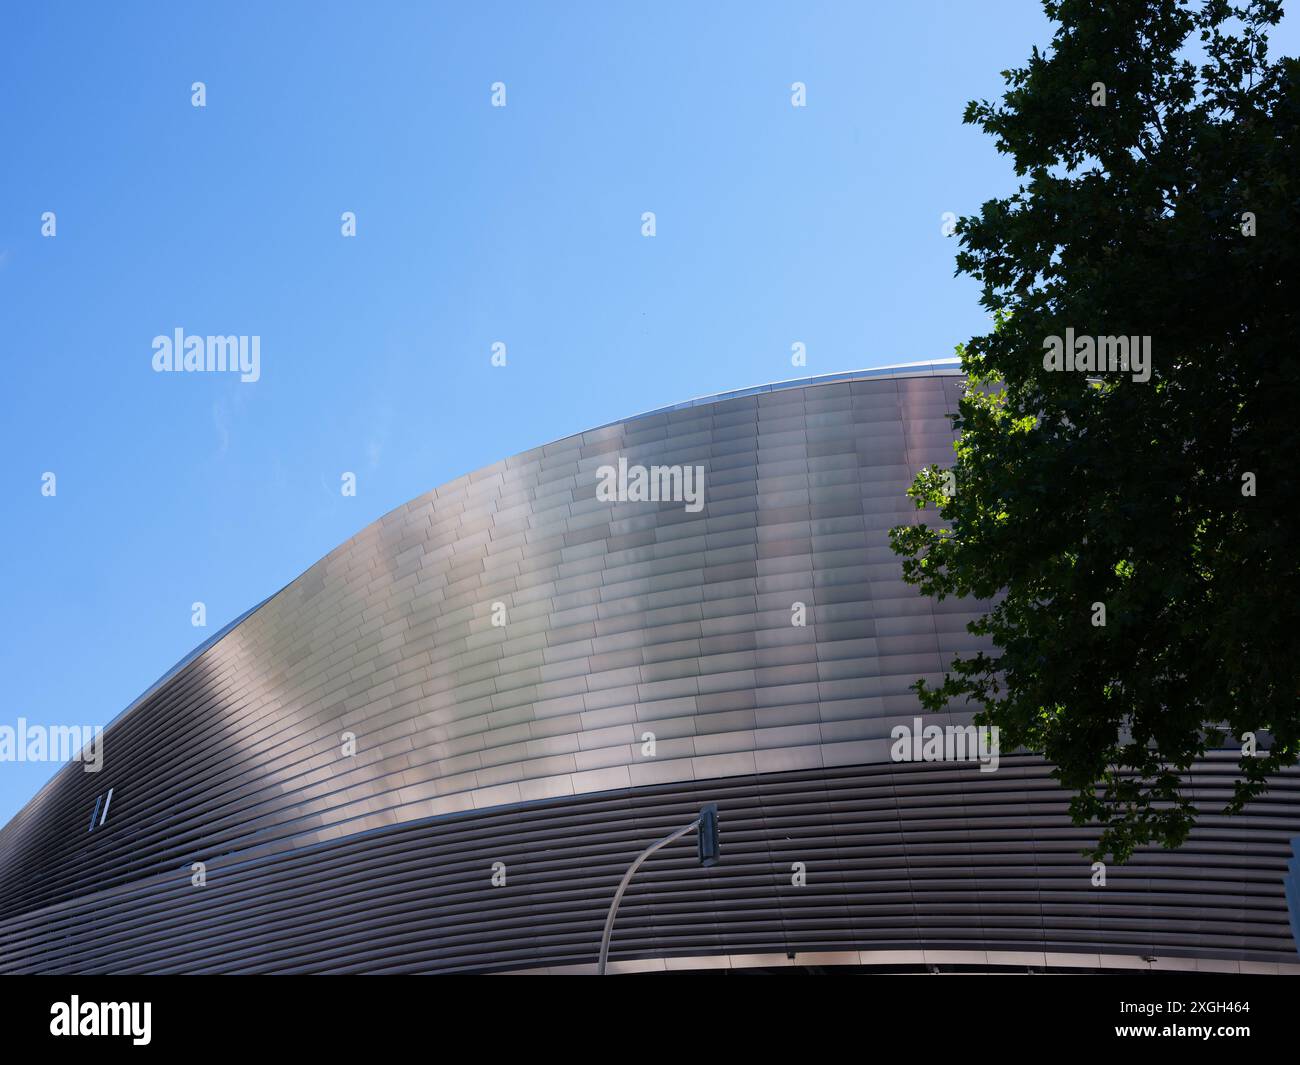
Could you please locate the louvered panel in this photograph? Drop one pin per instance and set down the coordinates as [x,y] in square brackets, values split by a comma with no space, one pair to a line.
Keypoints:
[523,743]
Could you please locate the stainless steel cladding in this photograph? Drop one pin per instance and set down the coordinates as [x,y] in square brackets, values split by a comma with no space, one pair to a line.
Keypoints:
[439,748]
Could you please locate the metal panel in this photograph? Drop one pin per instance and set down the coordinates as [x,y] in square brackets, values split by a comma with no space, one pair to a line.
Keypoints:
[520,741]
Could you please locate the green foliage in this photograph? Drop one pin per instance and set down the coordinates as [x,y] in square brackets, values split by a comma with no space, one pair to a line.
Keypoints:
[1075,489]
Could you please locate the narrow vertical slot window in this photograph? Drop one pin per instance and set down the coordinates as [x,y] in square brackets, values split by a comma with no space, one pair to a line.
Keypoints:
[107,799]
[94,817]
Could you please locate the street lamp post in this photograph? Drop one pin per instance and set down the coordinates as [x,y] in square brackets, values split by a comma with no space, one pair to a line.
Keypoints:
[709,853]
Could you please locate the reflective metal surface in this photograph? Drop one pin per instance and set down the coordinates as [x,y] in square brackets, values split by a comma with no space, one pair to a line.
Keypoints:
[626,624]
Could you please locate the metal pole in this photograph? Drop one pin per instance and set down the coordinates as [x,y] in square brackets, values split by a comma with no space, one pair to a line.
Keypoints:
[618,895]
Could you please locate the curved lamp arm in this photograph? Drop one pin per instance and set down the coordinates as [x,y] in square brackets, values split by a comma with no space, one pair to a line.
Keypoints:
[618,895]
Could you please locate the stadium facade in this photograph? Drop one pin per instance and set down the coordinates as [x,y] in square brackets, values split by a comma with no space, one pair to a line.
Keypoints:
[440,747]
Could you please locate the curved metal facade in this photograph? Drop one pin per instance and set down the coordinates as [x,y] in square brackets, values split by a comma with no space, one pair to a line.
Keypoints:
[503,649]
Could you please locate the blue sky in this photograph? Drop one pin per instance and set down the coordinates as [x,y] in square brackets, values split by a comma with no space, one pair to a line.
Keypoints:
[475,224]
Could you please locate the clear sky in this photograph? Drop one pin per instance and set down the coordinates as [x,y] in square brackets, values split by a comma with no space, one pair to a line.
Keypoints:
[475,224]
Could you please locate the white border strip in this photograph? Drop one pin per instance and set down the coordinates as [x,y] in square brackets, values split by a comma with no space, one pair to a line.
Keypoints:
[991,959]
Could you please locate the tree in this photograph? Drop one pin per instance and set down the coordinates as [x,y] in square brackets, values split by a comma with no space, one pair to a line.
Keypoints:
[1132,527]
